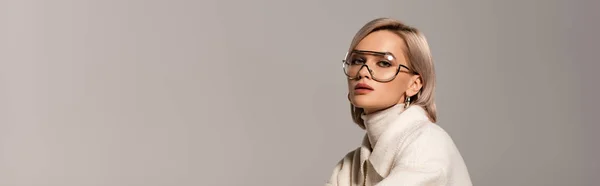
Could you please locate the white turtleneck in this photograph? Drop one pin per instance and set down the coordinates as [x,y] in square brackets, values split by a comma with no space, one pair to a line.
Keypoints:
[376,123]
[402,147]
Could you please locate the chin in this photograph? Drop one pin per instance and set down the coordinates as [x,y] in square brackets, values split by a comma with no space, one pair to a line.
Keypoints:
[363,101]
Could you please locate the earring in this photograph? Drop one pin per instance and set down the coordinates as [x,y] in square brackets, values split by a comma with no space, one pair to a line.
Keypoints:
[407,102]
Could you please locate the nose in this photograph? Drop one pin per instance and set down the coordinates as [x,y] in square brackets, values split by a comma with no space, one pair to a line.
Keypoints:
[364,72]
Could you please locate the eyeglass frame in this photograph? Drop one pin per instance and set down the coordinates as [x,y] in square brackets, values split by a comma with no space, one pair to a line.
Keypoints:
[369,69]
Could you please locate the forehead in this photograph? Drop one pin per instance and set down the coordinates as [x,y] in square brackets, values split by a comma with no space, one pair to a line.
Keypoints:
[383,41]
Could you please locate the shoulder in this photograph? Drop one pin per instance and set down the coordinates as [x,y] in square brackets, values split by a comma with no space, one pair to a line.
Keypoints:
[429,146]
[432,134]
[413,129]
[417,130]
[430,138]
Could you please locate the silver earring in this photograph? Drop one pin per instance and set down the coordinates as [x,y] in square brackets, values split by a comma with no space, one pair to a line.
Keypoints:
[407,102]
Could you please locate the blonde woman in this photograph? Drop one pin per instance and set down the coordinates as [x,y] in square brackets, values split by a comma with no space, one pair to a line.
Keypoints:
[391,82]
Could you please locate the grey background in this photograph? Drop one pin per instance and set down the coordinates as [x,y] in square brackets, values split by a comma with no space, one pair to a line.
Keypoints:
[251,92]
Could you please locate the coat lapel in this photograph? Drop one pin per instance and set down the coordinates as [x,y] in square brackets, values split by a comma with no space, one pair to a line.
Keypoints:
[365,152]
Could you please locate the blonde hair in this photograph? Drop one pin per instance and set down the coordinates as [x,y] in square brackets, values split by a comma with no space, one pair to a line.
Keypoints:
[419,60]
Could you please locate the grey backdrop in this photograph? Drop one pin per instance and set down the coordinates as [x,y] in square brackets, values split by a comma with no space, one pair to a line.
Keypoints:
[96,93]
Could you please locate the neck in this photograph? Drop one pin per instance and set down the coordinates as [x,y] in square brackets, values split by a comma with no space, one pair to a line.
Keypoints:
[368,111]
[377,122]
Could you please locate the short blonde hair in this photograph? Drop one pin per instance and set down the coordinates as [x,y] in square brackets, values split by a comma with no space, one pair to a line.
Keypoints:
[419,60]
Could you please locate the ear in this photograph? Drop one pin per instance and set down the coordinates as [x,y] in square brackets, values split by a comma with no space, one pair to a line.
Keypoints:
[414,86]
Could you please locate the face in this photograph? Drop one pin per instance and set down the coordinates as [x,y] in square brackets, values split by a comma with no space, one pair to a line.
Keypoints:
[377,93]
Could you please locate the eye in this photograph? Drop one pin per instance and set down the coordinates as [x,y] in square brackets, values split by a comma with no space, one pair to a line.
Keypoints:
[384,64]
[357,61]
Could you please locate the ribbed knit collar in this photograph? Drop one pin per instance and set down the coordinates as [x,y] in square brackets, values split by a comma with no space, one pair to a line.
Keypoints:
[376,123]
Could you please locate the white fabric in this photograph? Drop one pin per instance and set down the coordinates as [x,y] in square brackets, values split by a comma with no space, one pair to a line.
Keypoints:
[402,147]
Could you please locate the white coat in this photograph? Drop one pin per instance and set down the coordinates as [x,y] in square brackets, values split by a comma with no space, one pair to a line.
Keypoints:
[402,147]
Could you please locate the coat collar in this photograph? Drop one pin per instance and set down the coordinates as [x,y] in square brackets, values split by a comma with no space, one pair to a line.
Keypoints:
[381,156]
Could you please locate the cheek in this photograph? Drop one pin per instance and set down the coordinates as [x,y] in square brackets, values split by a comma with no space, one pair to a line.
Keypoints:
[393,89]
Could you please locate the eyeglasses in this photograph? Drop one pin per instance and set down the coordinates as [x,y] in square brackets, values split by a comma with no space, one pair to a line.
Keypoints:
[384,69]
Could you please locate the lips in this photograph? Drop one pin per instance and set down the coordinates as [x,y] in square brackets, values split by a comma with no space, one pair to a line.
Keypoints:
[362,86]
[362,89]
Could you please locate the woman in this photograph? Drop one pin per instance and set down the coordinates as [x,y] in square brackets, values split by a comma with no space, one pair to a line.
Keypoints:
[391,82]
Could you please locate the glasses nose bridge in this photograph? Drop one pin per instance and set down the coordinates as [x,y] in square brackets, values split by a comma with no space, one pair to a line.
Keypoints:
[369,71]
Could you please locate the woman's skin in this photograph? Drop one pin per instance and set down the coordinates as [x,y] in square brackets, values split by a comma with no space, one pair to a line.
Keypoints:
[388,94]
